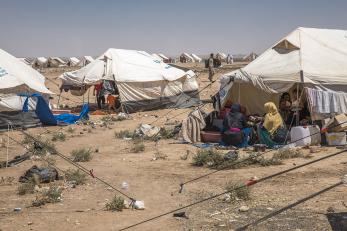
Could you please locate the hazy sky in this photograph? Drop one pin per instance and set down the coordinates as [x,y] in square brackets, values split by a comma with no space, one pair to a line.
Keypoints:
[89,27]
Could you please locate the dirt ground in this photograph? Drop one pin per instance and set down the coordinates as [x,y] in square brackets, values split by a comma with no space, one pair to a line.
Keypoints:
[156,182]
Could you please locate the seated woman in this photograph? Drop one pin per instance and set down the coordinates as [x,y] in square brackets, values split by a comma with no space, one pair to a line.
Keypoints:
[235,125]
[273,132]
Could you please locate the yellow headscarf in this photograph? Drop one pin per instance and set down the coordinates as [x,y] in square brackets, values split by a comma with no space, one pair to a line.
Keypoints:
[273,119]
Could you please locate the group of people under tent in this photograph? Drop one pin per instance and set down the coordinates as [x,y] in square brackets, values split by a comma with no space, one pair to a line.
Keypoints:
[107,95]
[271,129]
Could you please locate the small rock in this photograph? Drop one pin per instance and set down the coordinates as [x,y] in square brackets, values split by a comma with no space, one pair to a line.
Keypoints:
[330,210]
[30,223]
[243,209]
[271,209]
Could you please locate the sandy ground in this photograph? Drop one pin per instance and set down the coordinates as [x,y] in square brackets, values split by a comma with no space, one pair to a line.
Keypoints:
[156,182]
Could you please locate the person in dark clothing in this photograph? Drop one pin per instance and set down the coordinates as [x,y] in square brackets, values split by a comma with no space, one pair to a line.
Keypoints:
[235,125]
[235,119]
[100,98]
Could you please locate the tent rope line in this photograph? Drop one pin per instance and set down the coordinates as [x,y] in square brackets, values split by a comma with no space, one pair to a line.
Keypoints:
[79,166]
[290,206]
[246,184]
[249,158]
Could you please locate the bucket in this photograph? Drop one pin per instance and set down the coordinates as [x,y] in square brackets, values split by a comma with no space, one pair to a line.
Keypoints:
[300,135]
[316,138]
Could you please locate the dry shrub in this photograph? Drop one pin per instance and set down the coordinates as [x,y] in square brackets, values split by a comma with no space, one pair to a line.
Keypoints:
[27,187]
[138,146]
[81,155]
[76,177]
[58,136]
[116,204]
[288,153]
[238,191]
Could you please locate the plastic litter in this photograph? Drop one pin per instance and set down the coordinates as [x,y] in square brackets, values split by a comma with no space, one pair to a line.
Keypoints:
[140,205]
[125,186]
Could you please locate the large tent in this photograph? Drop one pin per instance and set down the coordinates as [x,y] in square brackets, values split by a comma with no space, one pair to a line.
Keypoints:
[73,62]
[314,59]
[40,62]
[187,58]
[196,58]
[17,78]
[56,62]
[164,58]
[144,83]
[86,60]
[250,57]
[157,57]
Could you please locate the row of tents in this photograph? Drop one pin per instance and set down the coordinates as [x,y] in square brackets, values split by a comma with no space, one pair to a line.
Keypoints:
[143,82]
[41,62]
[314,59]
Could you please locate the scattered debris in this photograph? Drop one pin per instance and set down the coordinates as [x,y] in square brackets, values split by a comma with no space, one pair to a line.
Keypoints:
[139,205]
[81,155]
[42,175]
[243,208]
[180,214]
[16,160]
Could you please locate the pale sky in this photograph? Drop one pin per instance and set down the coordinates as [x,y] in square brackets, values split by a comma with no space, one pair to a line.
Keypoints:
[89,27]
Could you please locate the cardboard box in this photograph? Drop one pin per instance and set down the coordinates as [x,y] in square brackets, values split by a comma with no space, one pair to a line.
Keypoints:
[336,124]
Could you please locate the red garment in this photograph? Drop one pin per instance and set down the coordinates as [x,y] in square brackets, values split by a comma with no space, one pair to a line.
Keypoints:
[98,88]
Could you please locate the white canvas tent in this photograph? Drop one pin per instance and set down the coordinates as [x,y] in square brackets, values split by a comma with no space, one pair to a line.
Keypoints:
[250,57]
[221,55]
[17,77]
[189,58]
[40,62]
[74,62]
[86,60]
[196,58]
[24,60]
[157,57]
[163,57]
[143,82]
[313,58]
[56,62]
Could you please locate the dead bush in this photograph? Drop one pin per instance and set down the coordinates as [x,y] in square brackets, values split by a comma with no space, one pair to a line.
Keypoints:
[238,191]
[81,155]
[58,136]
[76,177]
[116,204]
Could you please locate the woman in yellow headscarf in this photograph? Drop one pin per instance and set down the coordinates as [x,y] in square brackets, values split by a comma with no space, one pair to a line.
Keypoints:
[273,119]
[274,131]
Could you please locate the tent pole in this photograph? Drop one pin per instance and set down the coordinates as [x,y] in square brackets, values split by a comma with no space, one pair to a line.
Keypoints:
[297,96]
[8,143]
[59,99]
